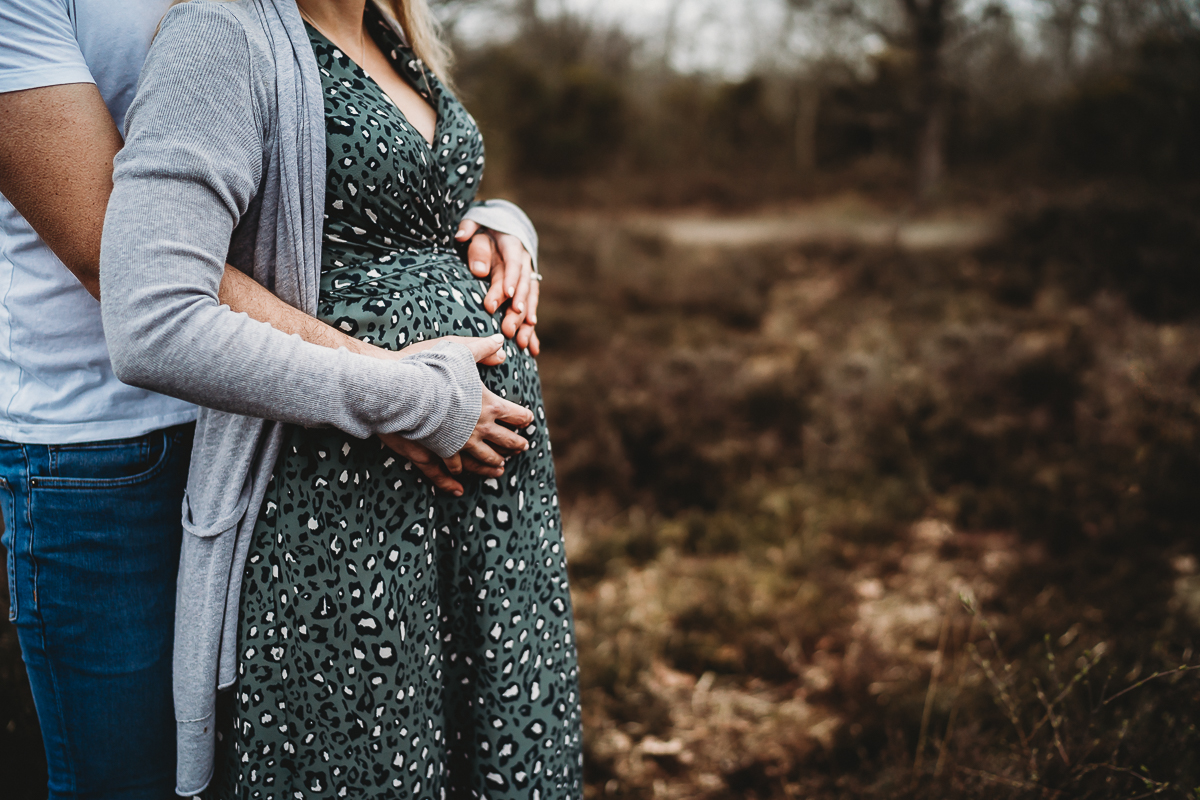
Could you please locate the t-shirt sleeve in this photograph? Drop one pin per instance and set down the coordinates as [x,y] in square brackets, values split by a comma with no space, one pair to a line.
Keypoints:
[38,46]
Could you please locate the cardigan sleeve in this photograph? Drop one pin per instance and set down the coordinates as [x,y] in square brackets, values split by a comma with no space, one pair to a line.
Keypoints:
[191,167]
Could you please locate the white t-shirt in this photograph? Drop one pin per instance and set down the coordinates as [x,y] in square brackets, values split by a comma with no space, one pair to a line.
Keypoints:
[56,383]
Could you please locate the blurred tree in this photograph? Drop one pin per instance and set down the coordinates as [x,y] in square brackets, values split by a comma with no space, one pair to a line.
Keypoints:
[890,92]
[808,106]
[1110,31]
[1064,24]
[928,29]
[1128,100]
[553,94]
[925,29]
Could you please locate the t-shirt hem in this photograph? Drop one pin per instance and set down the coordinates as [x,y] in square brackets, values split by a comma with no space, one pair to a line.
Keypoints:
[81,432]
[40,77]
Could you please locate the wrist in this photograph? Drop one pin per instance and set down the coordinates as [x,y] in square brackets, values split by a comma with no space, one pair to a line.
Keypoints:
[361,348]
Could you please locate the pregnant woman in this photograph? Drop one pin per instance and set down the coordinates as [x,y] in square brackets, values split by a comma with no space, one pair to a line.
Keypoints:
[379,637]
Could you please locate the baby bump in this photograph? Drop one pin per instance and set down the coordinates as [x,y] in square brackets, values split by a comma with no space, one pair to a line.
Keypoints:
[397,301]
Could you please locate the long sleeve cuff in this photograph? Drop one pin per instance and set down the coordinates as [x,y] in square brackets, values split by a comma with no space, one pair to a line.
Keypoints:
[503,216]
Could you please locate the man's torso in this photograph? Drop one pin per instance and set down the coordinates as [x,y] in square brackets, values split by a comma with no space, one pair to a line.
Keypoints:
[56,382]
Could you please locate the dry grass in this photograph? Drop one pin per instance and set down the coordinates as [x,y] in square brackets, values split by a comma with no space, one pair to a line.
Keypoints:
[853,521]
[850,521]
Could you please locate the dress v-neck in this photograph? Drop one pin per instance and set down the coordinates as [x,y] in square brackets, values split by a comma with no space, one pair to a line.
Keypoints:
[387,54]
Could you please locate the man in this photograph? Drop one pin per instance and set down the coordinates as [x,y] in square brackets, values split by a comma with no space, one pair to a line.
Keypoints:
[92,471]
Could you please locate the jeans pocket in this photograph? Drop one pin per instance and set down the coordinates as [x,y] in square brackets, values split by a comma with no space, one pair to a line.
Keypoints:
[115,464]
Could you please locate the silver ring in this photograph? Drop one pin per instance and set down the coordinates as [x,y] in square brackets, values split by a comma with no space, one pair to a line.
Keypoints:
[537,276]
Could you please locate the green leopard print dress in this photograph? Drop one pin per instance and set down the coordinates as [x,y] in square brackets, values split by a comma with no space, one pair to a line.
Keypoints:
[396,641]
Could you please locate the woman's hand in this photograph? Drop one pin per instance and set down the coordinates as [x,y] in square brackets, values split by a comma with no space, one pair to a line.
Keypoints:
[488,350]
[490,444]
[504,258]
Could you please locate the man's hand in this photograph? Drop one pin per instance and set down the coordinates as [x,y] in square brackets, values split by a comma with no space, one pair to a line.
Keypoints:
[433,467]
[502,256]
[490,444]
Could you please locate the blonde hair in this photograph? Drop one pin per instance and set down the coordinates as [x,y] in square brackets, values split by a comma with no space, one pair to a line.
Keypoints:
[424,34]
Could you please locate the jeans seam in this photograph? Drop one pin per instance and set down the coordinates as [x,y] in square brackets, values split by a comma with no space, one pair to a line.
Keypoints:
[29,527]
[58,706]
[41,624]
[11,556]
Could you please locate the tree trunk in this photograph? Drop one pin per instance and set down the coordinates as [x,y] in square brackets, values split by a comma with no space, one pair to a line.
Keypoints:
[931,151]
[527,11]
[670,36]
[928,21]
[807,111]
[1065,20]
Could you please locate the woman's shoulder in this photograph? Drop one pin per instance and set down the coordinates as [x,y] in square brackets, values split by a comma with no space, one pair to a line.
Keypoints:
[232,26]
[222,50]
[218,14]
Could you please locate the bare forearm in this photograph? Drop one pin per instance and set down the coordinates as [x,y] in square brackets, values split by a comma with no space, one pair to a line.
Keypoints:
[243,294]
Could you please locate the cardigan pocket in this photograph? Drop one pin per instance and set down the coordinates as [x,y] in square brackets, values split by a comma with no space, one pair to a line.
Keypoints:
[208,528]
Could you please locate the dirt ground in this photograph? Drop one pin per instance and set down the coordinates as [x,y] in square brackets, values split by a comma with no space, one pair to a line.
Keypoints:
[847,220]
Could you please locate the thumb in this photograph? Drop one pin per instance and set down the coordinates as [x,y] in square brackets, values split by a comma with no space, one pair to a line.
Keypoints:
[482,347]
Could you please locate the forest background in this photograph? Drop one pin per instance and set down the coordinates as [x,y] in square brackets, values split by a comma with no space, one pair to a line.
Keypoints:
[871,342]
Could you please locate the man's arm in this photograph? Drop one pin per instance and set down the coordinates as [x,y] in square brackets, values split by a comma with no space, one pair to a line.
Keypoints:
[57,145]
[242,293]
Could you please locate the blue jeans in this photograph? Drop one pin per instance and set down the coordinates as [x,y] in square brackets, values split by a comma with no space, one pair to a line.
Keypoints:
[92,535]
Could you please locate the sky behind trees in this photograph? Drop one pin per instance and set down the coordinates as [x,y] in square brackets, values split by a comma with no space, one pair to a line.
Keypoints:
[727,39]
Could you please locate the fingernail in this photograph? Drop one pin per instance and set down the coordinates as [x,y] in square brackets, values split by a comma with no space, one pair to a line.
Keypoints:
[520,307]
[497,337]
[533,318]
[510,290]
[479,266]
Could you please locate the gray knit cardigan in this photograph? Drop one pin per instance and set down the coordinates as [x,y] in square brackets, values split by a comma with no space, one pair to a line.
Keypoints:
[224,161]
